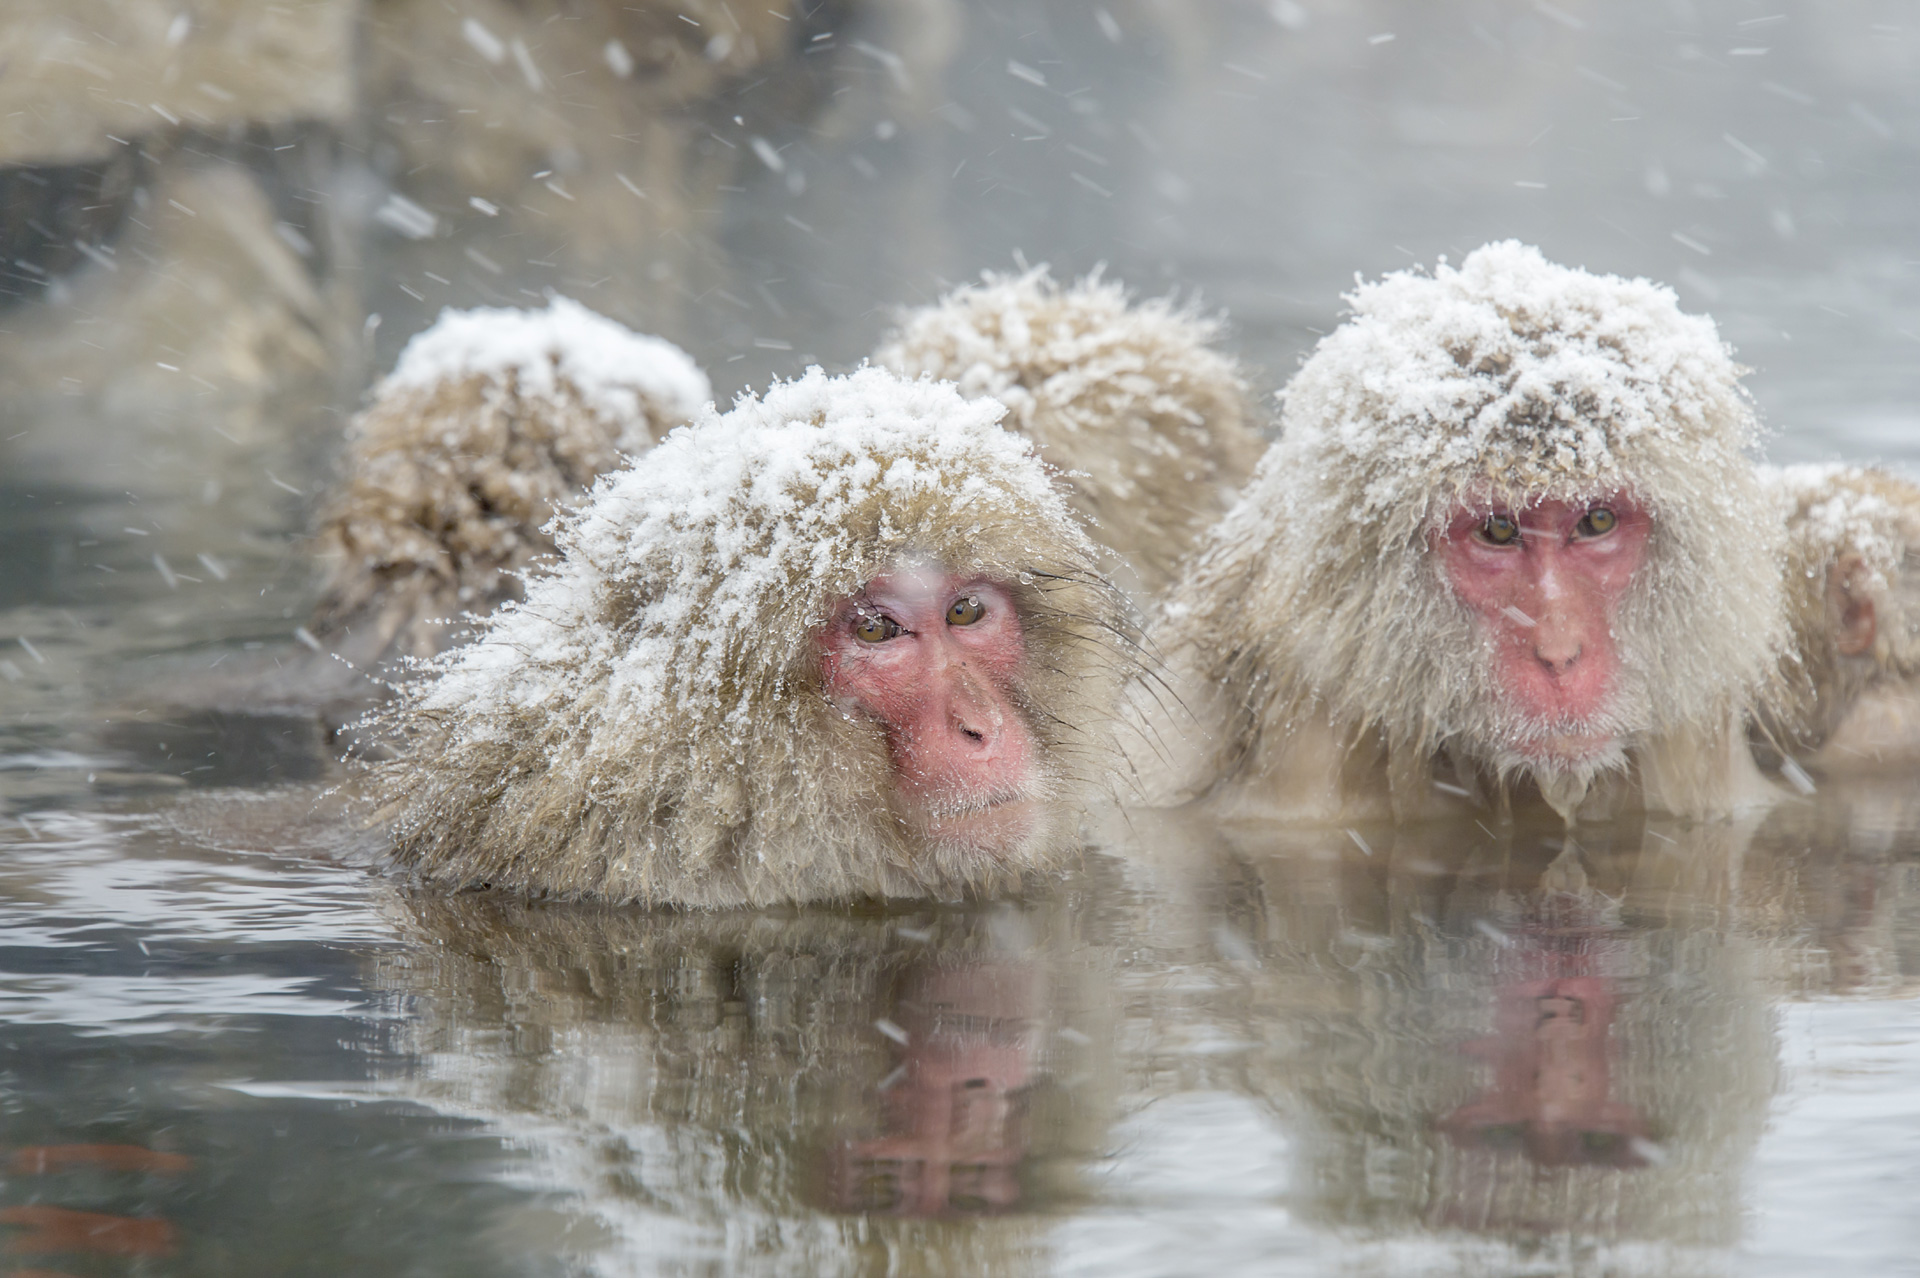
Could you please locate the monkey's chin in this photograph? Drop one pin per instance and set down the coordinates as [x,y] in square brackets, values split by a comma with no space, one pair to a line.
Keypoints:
[1565,765]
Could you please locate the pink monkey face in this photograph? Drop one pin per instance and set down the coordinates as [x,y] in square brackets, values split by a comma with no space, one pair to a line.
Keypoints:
[934,658]
[1546,582]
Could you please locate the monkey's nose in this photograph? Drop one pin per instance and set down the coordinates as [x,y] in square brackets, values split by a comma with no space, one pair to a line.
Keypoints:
[975,722]
[976,726]
[1558,658]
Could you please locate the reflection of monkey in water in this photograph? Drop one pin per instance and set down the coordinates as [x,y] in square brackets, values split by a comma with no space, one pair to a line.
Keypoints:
[1550,1094]
[1459,1030]
[956,1103]
[682,1079]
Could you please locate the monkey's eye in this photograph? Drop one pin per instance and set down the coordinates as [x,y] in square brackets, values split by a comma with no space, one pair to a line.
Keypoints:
[1500,530]
[1599,522]
[876,628]
[965,611]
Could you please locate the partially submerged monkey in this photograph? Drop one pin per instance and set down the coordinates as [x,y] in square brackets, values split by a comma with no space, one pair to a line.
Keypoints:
[1849,697]
[1509,541]
[845,640]
[1151,426]
[492,421]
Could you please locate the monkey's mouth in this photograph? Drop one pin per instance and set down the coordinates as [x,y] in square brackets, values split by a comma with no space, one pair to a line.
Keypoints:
[993,824]
[1570,747]
[1566,740]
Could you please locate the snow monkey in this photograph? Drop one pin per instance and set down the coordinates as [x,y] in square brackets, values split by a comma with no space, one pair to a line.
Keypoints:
[492,419]
[845,640]
[1509,543]
[1850,697]
[1151,425]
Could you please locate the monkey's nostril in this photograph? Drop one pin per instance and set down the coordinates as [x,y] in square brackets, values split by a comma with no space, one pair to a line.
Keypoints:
[1557,662]
[973,734]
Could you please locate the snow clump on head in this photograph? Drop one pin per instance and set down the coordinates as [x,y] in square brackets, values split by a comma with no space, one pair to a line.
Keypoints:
[1148,422]
[620,375]
[1833,509]
[1514,379]
[1502,383]
[652,723]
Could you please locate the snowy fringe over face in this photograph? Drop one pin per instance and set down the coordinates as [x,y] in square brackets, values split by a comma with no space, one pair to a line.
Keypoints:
[652,725]
[1149,424]
[1853,541]
[1506,382]
[492,421]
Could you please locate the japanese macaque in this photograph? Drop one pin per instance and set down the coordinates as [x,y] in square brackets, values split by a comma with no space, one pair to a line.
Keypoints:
[1151,426]
[1508,545]
[492,421]
[1849,697]
[846,640]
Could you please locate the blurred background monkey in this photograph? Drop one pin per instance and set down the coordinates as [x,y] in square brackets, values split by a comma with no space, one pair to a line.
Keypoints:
[1847,699]
[1151,427]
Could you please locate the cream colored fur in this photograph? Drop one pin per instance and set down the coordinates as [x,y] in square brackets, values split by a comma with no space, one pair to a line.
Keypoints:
[1331,670]
[1853,539]
[450,478]
[1150,425]
[650,725]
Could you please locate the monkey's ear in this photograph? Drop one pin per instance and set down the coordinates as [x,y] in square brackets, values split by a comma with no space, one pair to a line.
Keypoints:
[1851,602]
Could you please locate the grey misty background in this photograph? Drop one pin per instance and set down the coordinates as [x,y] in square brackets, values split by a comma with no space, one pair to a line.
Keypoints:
[222,218]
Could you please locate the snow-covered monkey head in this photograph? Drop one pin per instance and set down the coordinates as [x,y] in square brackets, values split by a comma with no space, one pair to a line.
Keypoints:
[845,639]
[1510,517]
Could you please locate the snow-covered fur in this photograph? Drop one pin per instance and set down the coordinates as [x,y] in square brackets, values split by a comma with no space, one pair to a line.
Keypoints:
[1150,424]
[651,723]
[1508,380]
[490,423]
[1853,543]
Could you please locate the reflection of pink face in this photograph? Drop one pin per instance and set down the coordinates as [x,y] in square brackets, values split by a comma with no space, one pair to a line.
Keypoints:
[934,658]
[956,1107]
[1546,583]
[1551,1095]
